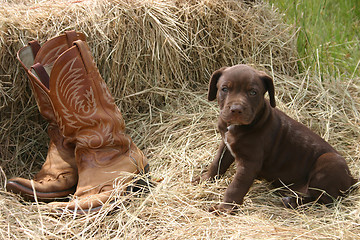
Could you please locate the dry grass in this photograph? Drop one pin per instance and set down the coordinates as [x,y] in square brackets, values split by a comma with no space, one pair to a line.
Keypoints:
[157,57]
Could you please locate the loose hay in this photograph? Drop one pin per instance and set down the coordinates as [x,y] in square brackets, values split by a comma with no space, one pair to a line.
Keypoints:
[156,57]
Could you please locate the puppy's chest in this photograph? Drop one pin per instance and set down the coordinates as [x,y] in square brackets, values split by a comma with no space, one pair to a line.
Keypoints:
[229,142]
[235,142]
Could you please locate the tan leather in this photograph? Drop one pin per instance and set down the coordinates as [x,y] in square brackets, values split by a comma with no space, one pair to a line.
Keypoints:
[58,175]
[88,118]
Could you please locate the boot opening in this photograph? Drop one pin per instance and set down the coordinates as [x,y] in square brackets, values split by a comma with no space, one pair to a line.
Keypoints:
[26,57]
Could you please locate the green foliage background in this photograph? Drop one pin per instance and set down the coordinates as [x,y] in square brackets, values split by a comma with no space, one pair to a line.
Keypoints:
[328,33]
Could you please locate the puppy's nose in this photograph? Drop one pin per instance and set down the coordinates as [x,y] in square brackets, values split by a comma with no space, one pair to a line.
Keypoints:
[236,109]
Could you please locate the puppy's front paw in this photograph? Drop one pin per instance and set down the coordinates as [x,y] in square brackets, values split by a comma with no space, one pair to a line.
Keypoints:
[196,180]
[202,178]
[291,202]
[223,208]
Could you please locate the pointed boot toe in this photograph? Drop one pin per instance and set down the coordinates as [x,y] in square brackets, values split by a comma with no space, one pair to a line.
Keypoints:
[47,192]
[83,205]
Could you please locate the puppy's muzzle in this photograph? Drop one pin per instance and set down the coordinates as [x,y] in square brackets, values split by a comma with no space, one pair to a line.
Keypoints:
[237,109]
[237,113]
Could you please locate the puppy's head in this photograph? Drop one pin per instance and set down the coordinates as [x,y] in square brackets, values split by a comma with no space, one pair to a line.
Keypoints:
[240,92]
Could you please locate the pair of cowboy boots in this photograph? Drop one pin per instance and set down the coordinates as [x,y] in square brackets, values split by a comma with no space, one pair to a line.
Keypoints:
[89,154]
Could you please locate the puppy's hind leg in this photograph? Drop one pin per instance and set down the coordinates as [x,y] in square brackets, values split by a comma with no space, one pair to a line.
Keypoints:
[294,195]
[330,178]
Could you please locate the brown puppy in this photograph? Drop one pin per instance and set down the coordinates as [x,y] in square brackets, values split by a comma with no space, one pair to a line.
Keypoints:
[267,144]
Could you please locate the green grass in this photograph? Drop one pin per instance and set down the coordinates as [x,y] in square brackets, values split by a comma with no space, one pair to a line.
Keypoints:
[328,37]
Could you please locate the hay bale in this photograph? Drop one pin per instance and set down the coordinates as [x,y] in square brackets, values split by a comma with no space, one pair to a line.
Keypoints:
[142,48]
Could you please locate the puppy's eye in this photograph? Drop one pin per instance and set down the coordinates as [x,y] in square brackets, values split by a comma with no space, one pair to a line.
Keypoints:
[225,89]
[253,92]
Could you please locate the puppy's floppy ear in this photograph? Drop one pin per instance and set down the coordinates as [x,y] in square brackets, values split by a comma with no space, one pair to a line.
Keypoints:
[213,82]
[269,86]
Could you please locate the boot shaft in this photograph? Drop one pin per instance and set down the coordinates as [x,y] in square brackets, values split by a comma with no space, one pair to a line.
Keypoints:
[82,103]
[46,55]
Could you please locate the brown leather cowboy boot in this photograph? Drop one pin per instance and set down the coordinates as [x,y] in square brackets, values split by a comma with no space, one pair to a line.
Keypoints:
[88,118]
[58,175]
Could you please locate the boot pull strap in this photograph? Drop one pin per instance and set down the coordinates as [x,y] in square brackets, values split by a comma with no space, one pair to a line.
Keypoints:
[86,56]
[71,36]
[35,47]
[42,74]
